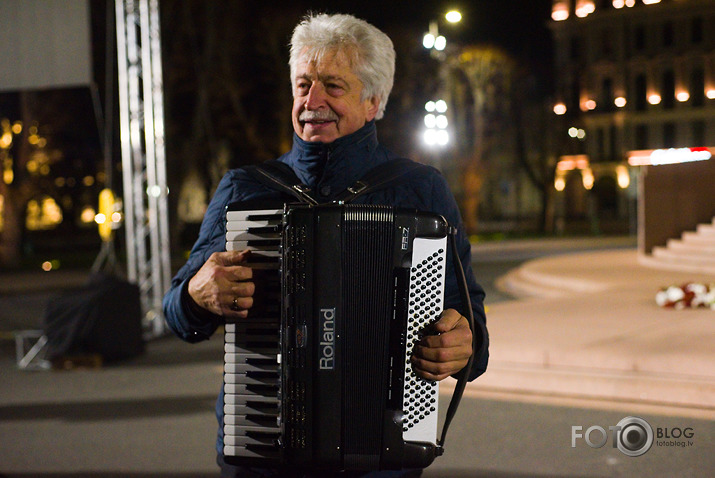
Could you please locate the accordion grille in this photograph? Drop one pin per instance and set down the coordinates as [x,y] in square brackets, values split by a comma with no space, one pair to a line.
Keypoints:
[366,297]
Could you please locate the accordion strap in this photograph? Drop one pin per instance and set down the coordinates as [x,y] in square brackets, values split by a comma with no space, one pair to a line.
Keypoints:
[463,375]
[281,177]
[378,178]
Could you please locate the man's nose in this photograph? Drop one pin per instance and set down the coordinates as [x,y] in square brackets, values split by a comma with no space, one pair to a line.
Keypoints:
[316,96]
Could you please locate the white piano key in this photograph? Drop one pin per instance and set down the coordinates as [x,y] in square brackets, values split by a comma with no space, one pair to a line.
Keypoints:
[268,438]
[266,348]
[258,250]
[251,214]
[243,399]
[242,368]
[243,389]
[250,236]
[266,359]
[248,380]
[242,225]
[240,430]
[242,451]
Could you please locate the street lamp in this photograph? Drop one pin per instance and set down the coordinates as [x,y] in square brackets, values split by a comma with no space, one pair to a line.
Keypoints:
[436,123]
[432,39]
[435,119]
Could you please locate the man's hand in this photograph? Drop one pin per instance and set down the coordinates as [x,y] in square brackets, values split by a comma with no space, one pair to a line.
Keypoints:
[224,286]
[446,349]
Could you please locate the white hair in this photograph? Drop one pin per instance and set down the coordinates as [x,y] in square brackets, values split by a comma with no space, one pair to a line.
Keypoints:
[371,53]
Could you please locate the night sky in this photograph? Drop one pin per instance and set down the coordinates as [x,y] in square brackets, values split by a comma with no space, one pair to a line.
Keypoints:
[520,26]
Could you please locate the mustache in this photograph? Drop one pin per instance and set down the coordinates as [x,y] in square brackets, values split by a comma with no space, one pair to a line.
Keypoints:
[319,115]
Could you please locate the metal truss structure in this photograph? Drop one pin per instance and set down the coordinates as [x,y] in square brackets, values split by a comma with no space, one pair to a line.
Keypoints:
[141,118]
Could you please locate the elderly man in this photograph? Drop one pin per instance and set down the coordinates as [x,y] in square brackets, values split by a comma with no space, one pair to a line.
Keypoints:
[342,71]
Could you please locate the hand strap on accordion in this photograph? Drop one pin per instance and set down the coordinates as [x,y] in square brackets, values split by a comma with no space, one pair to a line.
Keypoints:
[464,374]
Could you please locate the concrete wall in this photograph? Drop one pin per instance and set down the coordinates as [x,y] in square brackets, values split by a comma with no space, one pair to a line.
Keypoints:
[674,198]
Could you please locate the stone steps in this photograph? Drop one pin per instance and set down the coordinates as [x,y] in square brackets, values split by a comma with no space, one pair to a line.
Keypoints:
[693,252]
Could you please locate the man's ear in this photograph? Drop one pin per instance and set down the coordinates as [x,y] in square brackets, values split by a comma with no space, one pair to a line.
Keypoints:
[373,104]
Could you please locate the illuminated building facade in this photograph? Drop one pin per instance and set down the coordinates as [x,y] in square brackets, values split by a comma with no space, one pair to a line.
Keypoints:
[632,76]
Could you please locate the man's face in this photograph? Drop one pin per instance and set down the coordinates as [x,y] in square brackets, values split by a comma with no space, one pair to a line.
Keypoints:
[326,100]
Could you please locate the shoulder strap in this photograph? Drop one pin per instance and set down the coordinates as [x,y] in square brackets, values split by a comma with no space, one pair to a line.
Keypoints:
[280,176]
[378,178]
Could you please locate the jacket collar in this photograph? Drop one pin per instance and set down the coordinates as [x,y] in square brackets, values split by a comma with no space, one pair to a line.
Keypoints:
[338,164]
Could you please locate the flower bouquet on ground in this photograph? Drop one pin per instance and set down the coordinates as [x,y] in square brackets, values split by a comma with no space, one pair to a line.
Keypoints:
[688,295]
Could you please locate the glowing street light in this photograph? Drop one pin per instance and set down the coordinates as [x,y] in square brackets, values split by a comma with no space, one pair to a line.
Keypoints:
[436,123]
[432,39]
[453,16]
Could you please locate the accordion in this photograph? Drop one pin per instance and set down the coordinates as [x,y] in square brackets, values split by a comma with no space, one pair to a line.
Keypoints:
[322,378]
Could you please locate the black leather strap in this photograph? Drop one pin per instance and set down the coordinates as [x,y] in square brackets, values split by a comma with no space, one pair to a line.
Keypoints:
[281,177]
[378,178]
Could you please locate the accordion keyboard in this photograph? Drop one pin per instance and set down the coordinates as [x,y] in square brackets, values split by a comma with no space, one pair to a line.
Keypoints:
[251,350]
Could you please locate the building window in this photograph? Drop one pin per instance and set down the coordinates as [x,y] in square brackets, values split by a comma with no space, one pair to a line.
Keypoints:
[698,134]
[668,34]
[669,135]
[696,32]
[575,95]
[639,41]
[613,143]
[668,94]
[697,87]
[606,100]
[641,136]
[575,48]
[607,37]
[641,92]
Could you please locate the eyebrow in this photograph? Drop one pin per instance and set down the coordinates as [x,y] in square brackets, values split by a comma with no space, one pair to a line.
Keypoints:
[325,79]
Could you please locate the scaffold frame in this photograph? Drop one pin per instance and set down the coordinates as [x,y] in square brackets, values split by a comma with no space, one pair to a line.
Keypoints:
[141,117]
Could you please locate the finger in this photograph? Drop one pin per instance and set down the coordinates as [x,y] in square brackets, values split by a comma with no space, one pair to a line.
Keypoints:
[456,337]
[242,289]
[443,354]
[238,273]
[449,319]
[436,370]
[230,258]
[236,308]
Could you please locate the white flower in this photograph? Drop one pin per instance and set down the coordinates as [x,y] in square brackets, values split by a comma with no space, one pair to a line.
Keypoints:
[674,293]
[661,298]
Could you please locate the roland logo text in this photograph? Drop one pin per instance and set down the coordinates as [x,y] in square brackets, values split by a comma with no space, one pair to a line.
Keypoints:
[327,339]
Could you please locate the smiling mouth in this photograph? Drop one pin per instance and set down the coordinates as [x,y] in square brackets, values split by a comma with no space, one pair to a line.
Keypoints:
[318,122]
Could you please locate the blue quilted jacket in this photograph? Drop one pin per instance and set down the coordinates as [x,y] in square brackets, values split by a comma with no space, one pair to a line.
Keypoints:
[328,169]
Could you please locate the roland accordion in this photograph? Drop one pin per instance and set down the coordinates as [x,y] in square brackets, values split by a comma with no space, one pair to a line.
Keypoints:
[323,379]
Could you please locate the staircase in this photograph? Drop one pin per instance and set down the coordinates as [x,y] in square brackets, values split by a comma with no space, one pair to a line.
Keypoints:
[693,252]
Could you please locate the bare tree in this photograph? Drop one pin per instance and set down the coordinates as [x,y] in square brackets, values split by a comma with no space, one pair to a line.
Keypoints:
[480,81]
